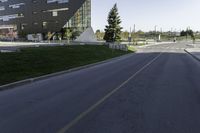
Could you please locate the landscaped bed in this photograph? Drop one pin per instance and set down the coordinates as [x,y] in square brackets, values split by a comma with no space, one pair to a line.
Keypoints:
[33,62]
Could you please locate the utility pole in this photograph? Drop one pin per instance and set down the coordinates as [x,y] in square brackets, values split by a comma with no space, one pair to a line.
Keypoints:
[155,32]
[129,36]
[171,33]
[134,28]
[134,34]
[159,36]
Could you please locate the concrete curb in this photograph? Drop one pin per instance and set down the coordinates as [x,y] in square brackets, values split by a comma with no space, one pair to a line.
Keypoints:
[198,59]
[31,80]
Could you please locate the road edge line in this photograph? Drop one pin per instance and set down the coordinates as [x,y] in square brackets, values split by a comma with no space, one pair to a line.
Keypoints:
[192,55]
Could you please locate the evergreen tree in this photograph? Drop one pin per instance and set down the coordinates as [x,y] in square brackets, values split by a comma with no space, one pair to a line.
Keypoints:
[187,32]
[183,33]
[113,29]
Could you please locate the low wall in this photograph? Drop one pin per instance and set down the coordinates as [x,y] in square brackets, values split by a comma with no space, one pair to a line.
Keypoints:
[123,47]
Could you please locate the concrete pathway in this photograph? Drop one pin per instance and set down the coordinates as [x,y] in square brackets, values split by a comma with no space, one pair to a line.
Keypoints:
[15,46]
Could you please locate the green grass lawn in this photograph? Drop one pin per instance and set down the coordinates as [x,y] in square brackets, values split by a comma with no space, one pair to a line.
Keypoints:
[33,62]
[132,48]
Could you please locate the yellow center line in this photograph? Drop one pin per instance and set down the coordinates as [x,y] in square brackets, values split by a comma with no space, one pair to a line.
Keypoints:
[90,109]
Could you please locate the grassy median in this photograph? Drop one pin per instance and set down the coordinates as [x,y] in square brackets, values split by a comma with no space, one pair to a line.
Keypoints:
[33,62]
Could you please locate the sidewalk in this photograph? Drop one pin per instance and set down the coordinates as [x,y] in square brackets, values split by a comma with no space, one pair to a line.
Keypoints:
[153,44]
[15,46]
[195,52]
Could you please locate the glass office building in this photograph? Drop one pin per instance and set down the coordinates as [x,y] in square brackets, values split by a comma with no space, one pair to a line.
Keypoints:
[82,18]
[22,17]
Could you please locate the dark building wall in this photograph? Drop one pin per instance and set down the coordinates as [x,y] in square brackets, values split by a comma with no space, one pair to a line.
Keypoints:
[33,23]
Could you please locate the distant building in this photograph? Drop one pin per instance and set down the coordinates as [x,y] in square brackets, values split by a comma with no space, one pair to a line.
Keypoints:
[23,17]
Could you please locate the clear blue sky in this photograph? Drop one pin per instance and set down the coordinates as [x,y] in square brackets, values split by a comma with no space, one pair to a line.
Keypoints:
[145,14]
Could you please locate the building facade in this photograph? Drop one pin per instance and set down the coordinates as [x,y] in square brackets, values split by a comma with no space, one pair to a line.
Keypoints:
[18,17]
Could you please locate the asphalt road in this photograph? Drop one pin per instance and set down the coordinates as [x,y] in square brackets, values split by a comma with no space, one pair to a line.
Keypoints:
[154,91]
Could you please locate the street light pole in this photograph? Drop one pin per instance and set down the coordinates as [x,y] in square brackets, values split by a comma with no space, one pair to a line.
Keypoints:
[171,33]
[134,34]
[155,28]
[134,28]
[155,32]
[129,36]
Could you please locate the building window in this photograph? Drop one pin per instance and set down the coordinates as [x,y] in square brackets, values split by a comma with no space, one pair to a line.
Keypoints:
[54,14]
[34,1]
[35,12]
[3,0]
[2,8]
[14,6]
[12,16]
[44,25]
[35,23]
[58,1]
[23,26]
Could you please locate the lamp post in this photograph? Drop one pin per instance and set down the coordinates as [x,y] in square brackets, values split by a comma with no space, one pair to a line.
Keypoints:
[155,28]
[155,32]
[134,34]
[134,28]
[160,34]
[129,36]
